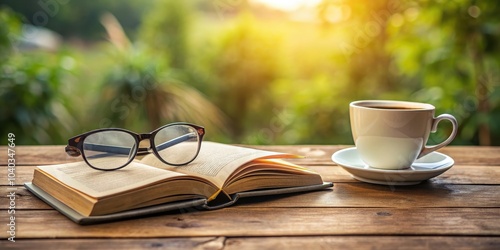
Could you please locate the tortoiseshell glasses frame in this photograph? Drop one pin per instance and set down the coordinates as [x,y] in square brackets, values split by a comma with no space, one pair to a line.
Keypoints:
[113,148]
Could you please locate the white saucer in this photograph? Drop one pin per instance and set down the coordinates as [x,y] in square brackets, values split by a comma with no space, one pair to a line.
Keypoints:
[424,168]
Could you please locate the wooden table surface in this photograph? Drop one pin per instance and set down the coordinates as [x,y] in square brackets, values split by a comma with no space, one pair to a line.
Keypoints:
[459,209]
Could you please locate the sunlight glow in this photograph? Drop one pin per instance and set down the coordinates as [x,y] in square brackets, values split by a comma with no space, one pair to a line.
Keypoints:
[288,5]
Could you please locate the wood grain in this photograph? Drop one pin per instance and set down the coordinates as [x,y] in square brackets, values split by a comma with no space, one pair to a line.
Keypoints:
[346,195]
[315,154]
[147,243]
[364,242]
[239,243]
[248,221]
[459,209]
[458,174]
[40,155]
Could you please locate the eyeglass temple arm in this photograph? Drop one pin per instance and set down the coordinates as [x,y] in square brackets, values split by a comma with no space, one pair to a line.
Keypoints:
[73,151]
[107,148]
[176,141]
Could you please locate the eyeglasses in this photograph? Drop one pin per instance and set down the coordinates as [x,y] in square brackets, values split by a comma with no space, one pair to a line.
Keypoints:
[113,148]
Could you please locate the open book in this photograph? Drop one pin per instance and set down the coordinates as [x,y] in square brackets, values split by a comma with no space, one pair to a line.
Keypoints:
[216,178]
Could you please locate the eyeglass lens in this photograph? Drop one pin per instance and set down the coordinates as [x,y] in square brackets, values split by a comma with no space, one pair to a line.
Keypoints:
[177,144]
[109,149]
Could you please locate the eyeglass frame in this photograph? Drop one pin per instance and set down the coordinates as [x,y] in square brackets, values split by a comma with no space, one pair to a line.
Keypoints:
[75,144]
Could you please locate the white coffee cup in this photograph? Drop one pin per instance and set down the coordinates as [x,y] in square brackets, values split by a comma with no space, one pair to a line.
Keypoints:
[393,134]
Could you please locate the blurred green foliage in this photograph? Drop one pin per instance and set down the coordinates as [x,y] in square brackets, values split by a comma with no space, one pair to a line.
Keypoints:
[79,20]
[276,78]
[165,30]
[244,70]
[33,98]
[11,27]
[453,49]
[140,91]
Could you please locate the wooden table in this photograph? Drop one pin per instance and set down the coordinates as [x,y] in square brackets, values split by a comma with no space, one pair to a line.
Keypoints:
[458,210]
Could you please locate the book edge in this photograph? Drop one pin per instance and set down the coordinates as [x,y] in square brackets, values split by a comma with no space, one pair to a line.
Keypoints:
[88,220]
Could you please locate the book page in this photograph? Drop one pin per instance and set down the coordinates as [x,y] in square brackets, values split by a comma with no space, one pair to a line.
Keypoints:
[270,173]
[98,184]
[216,162]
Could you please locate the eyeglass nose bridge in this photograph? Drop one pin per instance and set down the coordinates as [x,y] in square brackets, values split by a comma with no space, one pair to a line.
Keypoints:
[144,136]
[145,150]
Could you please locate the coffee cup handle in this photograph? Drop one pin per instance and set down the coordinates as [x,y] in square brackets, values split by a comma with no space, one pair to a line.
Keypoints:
[426,150]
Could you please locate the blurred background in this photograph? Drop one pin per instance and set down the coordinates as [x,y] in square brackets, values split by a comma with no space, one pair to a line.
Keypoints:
[250,71]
